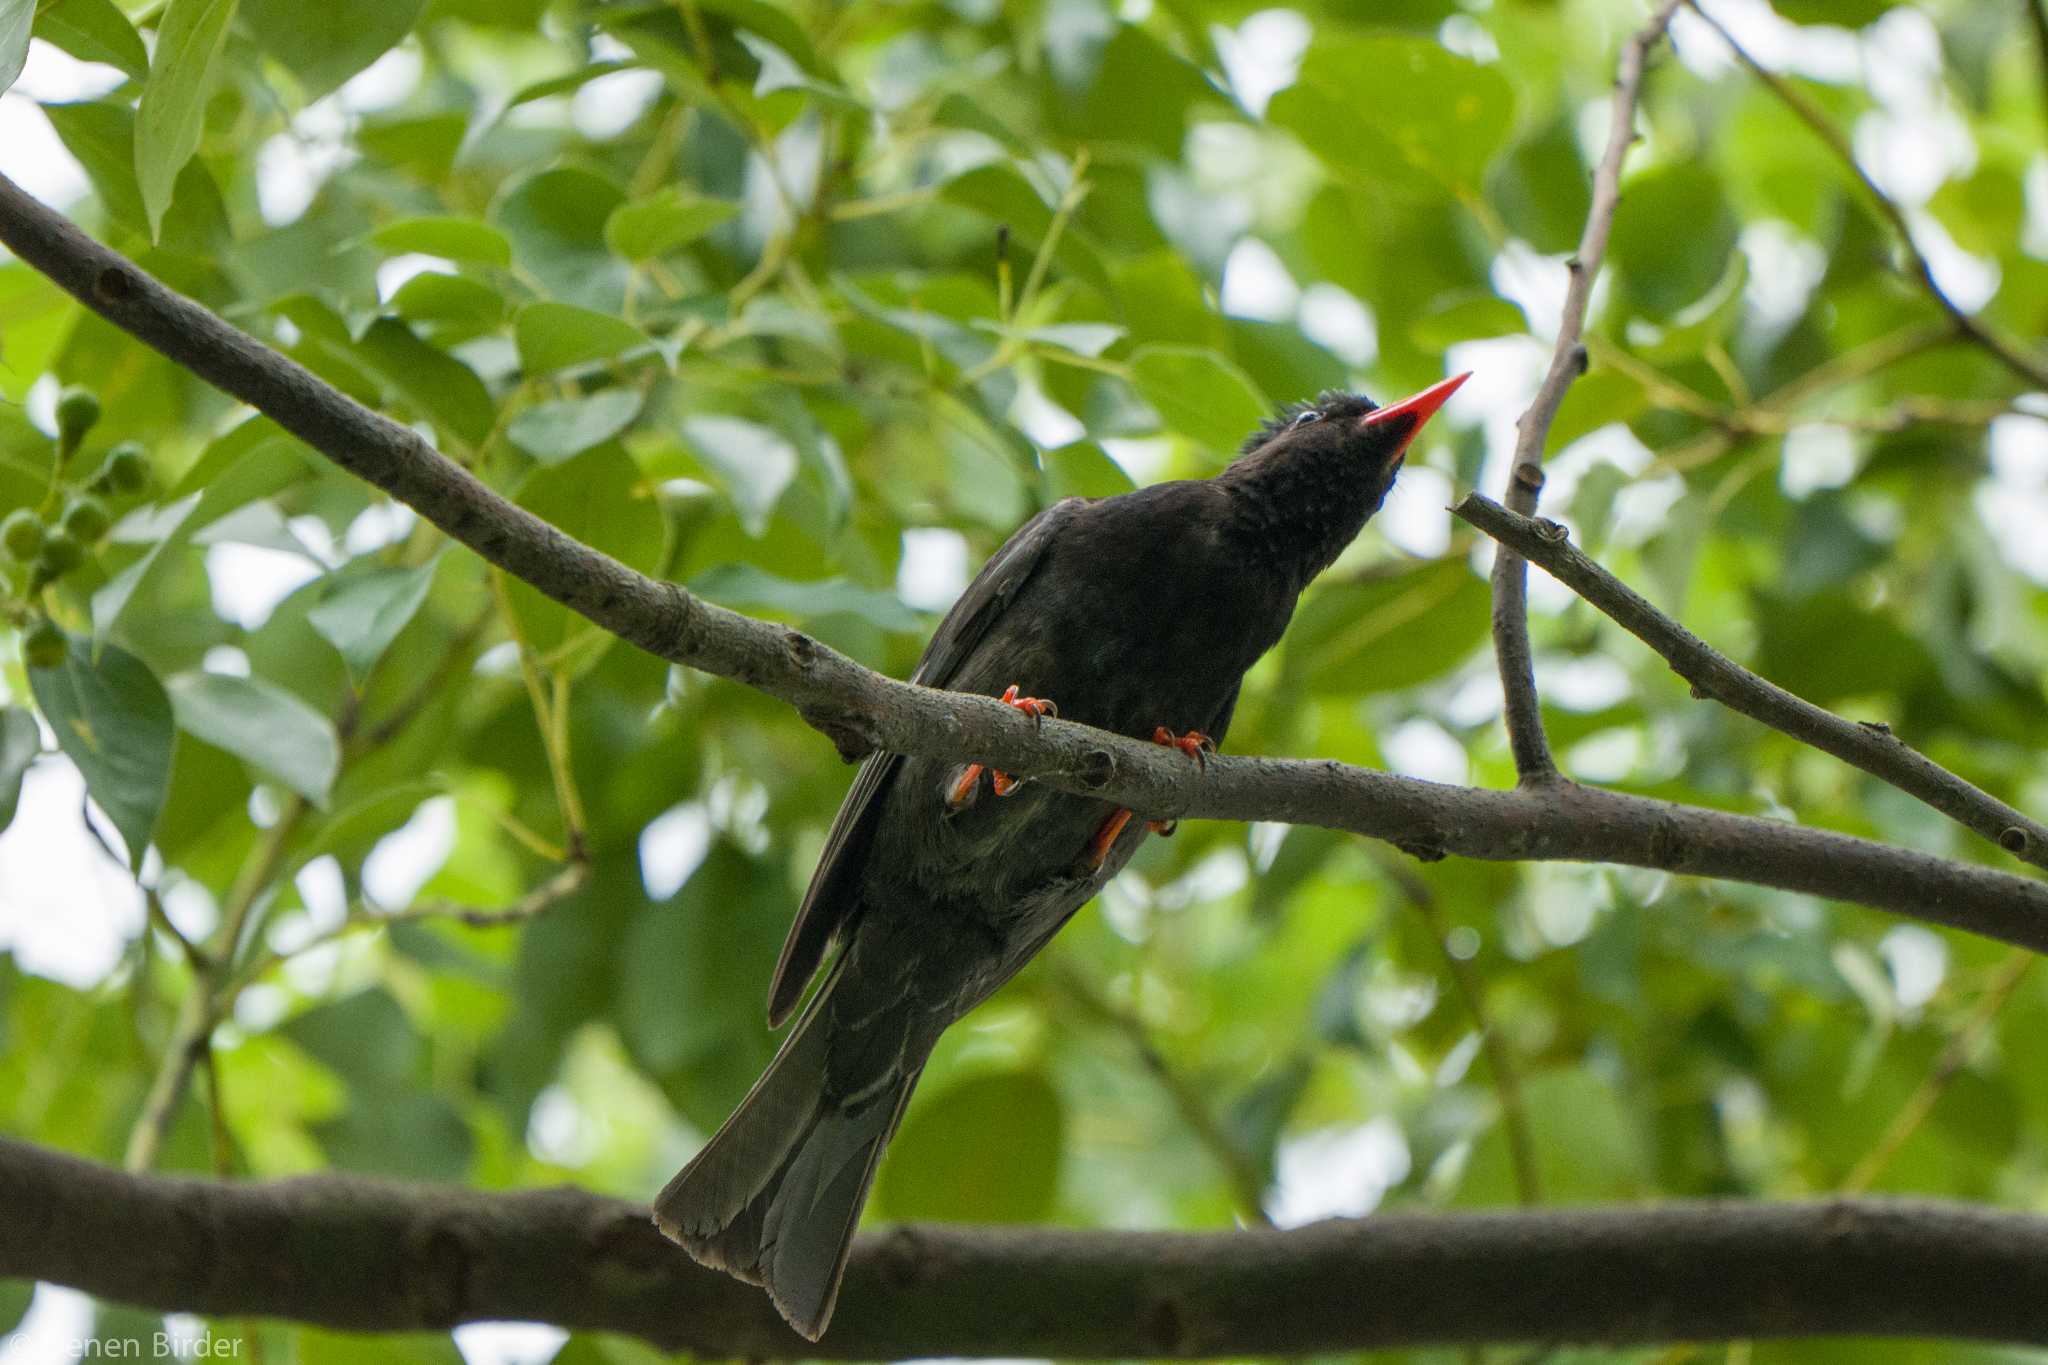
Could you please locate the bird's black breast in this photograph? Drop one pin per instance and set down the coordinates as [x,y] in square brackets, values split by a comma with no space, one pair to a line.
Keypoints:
[1139,614]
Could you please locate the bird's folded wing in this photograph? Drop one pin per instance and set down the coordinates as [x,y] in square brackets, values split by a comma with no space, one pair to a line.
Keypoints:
[834,889]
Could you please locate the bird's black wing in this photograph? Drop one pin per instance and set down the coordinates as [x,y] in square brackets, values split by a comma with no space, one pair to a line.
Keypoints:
[833,893]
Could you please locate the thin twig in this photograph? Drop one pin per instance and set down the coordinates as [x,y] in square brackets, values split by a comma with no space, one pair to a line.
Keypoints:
[1247,1185]
[1524,711]
[2029,367]
[1955,1055]
[532,905]
[1869,746]
[1507,1078]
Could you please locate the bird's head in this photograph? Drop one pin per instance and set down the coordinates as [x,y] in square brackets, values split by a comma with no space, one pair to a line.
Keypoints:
[1310,477]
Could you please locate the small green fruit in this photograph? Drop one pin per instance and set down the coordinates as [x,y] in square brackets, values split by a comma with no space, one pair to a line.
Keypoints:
[86,518]
[127,468]
[78,410]
[44,645]
[61,554]
[22,535]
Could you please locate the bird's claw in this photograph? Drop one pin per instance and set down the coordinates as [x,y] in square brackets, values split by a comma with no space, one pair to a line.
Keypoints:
[1038,708]
[1194,744]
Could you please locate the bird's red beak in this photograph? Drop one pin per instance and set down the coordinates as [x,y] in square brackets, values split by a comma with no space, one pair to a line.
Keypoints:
[1417,409]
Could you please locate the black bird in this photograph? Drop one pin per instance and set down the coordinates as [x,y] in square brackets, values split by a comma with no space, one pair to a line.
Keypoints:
[1138,614]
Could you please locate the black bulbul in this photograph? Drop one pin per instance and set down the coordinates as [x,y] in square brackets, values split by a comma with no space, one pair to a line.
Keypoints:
[939,880]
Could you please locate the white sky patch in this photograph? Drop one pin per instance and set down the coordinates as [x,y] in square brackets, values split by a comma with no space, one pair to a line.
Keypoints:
[1340,323]
[1822,52]
[1968,280]
[191,907]
[672,847]
[1048,424]
[508,1343]
[249,581]
[384,83]
[393,273]
[227,661]
[65,908]
[606,107]
[58,1320]
[1143,457]
[379,524]
[2014,501]
[1816,456]
[324,892]
[404,859]
[934,567]
[1419,747]
[1784,270]
[1256,284]
[1262,56]
[1337,1172]
[1467,37]
[1592,683]
[1533,282]
[2034,235]
[1917,960]
[558,1130]
[1416,516]
[35,159]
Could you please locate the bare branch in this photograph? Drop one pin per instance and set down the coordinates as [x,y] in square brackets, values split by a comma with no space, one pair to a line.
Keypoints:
[365,1255]
[1524,712]
[1871,747]
[861,710]
[2029,367]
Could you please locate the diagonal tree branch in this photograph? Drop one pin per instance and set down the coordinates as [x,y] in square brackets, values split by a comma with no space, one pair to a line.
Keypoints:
[861,710]
[2030,367]
[1871,747]
[1523,710]
[367,1255]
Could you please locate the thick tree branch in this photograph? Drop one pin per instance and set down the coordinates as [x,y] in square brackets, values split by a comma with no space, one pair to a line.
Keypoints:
[1523,711]
[861,710]
[2030,367]
[1873,748]
[367,1255]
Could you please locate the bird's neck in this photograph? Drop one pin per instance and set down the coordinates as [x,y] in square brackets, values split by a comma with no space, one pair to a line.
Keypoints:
[1299,512]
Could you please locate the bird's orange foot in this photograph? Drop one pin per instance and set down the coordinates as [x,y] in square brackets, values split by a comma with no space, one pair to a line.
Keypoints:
[1195,745]
[1001,783]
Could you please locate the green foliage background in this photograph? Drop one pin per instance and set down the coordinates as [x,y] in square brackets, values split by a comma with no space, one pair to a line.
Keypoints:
[793,304]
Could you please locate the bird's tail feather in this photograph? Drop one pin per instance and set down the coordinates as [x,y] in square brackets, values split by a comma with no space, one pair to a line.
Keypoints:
[775,1195]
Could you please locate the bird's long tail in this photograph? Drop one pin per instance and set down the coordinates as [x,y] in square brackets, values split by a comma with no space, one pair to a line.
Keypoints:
[775,1195]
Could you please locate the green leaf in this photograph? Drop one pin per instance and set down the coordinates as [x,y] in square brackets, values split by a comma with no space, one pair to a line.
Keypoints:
[449,309]
[755,463]
[599,498]
[14,1300]
[17,18]
[447,236]
[326,44]
[367,1038]
[1465,316]
[20,742]
[172,112]
[113,720]
[262,724]
[1199,394]
[1589,1146]
[1672,236]
[1400,109]
[361,612]
[554,431]
[559,336]
[744,587]
[986,1150]
[95,31]
[664,222]
[433,381]
[1083,470]
[1388,632]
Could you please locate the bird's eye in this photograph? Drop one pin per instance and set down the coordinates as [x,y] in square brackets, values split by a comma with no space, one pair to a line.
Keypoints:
[1310,416]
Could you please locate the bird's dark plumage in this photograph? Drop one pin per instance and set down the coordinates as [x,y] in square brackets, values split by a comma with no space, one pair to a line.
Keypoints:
[1131,613]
